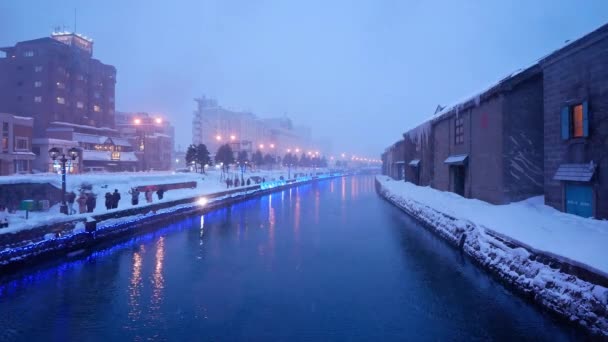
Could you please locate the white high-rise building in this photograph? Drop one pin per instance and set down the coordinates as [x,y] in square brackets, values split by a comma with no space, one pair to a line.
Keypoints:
[214,126]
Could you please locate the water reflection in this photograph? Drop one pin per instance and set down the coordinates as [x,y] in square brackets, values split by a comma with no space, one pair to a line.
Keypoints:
[158,280]
[271,224]
[135,286]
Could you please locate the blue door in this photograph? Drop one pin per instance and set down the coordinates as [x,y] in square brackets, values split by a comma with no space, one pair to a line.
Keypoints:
[579,200]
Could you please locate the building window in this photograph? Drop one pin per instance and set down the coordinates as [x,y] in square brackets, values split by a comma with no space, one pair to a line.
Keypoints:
[79,104]
[459,131]
[21,144]
[38,84]
[60,85]
[575,121]
[60,100]
[5,137]
[96,95]
[29,53]
[21,166]
[38,68]
[38,99]
[96,108]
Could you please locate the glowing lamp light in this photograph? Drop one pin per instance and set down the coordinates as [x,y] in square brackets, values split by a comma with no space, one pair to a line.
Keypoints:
[137,121]
[218,137]
[261,145]
[233,137]
[202,201]
[159,120]
[271,145]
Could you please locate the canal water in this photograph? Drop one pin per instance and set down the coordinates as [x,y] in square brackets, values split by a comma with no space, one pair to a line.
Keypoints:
[325,261]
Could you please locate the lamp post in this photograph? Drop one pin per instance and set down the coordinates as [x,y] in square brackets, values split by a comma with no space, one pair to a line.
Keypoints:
[54,153]
[142,142]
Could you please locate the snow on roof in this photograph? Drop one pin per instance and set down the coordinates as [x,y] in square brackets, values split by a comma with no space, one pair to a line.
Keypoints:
[575,172]
[456,159]
[40,141]
[107,156]
[83,126]
[121,142]
[89,138]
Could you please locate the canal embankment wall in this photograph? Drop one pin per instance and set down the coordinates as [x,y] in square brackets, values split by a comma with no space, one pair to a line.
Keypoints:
[57,239]
[571,290]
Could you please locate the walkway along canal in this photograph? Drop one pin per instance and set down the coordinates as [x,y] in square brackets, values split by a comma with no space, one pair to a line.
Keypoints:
[323,261]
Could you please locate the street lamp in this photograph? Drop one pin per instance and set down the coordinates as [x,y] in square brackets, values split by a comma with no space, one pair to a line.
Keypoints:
[142,142]
[54,153]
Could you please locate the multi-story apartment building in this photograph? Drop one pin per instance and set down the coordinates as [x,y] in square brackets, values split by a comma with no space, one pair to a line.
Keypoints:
[56,79]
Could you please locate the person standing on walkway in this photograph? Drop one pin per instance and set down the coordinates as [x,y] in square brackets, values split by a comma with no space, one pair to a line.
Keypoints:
[115,199]
[71,197]
[108,201]
[91,202]
[148,196]
[82,203]
[160,193]
[134,196]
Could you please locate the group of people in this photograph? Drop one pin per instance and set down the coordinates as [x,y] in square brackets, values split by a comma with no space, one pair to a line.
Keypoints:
[134,192]
[236,182]
[87,201]
[112,199]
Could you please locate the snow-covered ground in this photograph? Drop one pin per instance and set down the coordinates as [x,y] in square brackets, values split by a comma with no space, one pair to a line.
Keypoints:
[123,181]
[531,222]
[539,266]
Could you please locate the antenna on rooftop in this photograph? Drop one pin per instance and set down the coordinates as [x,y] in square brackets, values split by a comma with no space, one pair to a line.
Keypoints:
[75,20]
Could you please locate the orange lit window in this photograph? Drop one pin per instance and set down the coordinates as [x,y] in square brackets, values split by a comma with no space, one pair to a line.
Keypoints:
[577,121]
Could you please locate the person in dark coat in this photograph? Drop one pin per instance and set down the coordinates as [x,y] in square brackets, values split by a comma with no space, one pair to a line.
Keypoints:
[115,198]
[108,203]
[134,196]
[91,202]
[160,193]
[71,198]
[82,203]
[248,181]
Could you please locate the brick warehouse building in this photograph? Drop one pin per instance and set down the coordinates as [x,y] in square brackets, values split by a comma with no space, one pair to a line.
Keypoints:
[486,147]
[541,130]
[576,126]
[56,79]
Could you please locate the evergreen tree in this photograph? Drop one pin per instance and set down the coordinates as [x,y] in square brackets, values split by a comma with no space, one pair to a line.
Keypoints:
[257,158]
[191,155]
[225,156]
[202,156]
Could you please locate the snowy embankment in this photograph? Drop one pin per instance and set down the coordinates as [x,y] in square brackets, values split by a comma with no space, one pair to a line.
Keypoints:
[558,260]
[208,183]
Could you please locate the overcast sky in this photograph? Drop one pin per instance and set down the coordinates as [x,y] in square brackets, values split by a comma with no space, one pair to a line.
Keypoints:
[360,72]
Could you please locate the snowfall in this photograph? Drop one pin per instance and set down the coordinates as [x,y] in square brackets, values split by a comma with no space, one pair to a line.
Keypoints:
[208,183]
[530,222]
